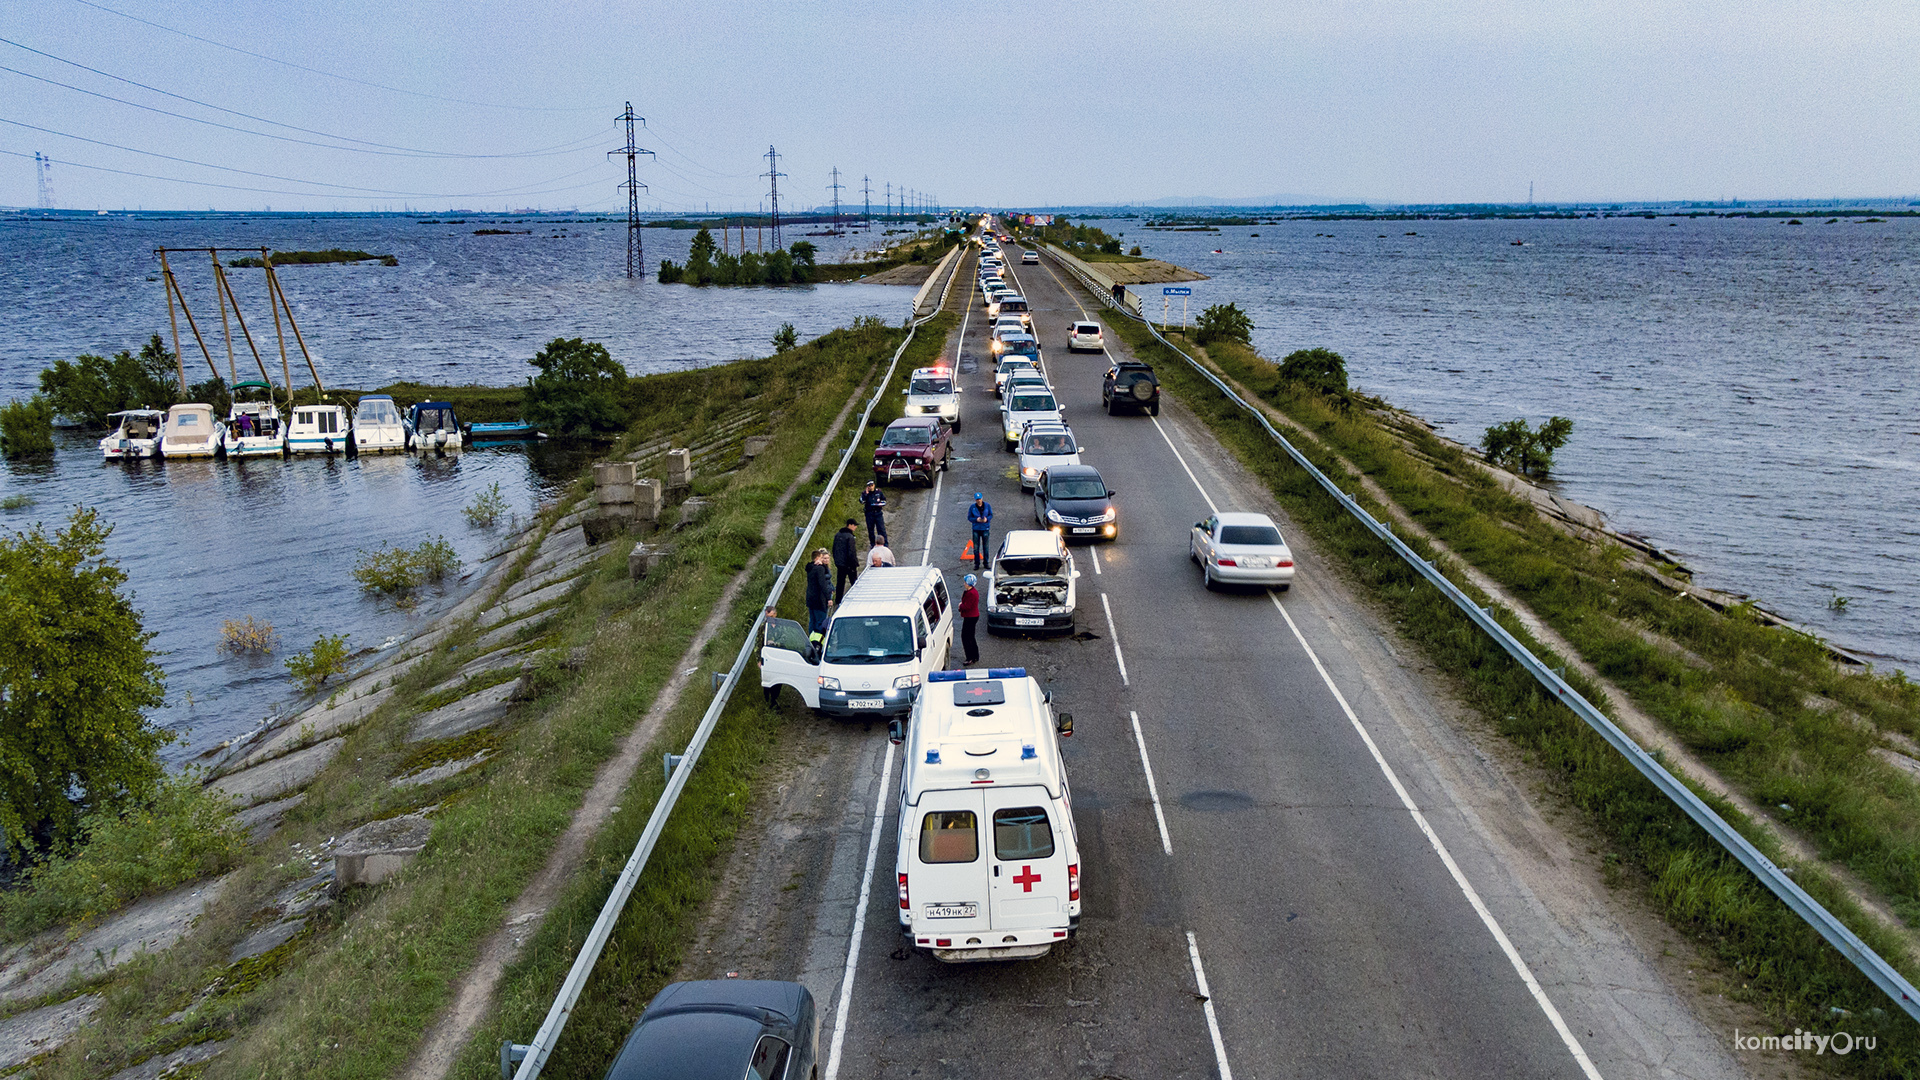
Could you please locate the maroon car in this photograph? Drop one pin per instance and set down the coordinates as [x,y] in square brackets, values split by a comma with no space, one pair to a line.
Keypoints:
[912,449]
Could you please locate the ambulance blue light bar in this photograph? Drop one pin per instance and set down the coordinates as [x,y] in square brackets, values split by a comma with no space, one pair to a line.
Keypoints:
[978,673]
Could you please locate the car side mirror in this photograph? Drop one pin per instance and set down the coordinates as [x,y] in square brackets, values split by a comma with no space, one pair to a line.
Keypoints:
[1201,525]
[904,393]
[1063,724]
[1111,493]
[923,641]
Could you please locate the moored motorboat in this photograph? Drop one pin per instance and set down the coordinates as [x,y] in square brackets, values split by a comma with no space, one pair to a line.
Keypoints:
[378,427]
[254,427]
[192,431]
[435,427]
[135,435]
[319,429]
[483,433]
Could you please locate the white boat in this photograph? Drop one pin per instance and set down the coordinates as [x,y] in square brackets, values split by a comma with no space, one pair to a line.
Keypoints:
[434,427]
[378,426]
[253,425]
[193,431]
[136,435]
[319,429]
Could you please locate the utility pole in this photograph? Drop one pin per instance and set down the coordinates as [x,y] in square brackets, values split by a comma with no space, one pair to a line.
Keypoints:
[889,198]
[43,168]
[836,185]
[773,175]
[866,193]
[632,186]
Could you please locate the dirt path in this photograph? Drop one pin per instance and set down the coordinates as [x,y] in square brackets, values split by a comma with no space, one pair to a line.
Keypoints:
[474,995]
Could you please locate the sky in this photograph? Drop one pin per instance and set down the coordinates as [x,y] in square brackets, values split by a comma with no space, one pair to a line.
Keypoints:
[483,104]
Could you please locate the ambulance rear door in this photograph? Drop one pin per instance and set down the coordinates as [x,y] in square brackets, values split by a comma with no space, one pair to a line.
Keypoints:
[1027,850]
[947,873]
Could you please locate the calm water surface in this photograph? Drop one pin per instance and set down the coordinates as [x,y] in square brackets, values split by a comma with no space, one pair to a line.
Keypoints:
[205,541]
[1745,393]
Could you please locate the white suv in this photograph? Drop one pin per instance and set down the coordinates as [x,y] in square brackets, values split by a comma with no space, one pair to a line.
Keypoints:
[1044,446]
[1084,335]
[932,392]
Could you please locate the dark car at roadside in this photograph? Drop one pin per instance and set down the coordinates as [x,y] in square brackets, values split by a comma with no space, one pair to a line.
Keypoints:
[1130,384]
[723,1029]
[1075,502]
[912,449]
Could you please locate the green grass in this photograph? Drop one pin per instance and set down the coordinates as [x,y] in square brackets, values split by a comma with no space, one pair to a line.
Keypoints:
[1770,957]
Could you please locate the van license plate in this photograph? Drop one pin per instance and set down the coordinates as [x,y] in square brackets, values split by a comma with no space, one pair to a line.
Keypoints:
[953,911]
[1029,622]
[1079,531]
[864,703]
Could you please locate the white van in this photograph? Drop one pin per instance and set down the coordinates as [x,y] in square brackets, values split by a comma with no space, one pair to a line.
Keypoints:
[984,751]
[931,391]
[892,629]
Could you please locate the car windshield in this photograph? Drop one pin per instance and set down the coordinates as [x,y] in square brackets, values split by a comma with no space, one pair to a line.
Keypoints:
[1077,487]
[1033,403]
[916,435]
[931,386]
[1251,535]
[1049,444]
[869,639]
[1029,347]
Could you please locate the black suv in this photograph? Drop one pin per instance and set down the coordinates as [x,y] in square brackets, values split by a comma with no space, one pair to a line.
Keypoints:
[1131,385]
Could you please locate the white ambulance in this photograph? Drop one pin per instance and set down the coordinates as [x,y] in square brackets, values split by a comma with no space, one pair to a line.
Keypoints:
[893,628]
[988,861]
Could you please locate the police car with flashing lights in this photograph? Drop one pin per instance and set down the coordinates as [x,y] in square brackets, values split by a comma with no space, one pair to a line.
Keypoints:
[932,391]
[988,859]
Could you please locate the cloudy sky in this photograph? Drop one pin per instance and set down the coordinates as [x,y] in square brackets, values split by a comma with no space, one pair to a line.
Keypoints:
[481,103]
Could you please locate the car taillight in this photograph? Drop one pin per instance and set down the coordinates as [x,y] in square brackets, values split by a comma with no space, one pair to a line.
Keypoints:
[1284,562]
[1225,562]
[903,893]
[1073,881]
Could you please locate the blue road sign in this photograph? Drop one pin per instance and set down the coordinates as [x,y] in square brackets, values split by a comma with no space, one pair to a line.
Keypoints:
[1177,290]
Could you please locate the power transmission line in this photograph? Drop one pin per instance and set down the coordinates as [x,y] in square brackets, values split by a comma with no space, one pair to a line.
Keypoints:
[773,175]
[866,191]
[632,186]
[836,185]
[43,173]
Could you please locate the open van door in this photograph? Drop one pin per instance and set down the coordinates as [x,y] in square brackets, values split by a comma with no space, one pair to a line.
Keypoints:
[783,660]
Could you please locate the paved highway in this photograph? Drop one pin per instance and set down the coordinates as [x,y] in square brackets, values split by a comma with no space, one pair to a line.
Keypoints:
[1295,861]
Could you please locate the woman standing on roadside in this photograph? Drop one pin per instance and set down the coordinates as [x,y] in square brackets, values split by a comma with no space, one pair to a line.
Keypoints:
[969,619]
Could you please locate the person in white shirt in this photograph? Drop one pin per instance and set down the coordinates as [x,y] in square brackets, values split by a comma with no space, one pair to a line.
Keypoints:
[879,555]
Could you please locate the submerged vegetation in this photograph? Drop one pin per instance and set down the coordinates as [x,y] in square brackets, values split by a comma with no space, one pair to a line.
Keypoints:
[330,255]
[26,427]
[578,391]
[397,571]
[313,667]
[249,635]
[1525,449]
[708,265]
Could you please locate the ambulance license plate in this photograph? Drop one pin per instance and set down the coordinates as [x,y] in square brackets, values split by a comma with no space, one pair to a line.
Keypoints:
[1077,532]
[865,703]
[1029,622]
[953,911]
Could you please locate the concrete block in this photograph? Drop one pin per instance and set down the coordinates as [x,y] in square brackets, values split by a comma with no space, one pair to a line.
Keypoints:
[679,467]
[755,445]
[378,850]
[649,496]
[645,558]
[614,474]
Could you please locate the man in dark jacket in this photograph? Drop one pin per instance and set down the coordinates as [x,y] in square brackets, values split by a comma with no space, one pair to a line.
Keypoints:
[980,517]
[846,558]
[874,502]
[969,619]
[819,594]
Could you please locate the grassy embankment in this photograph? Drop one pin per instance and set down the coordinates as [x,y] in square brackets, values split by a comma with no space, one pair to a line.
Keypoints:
[645,947]
[351,996]
[1764,705]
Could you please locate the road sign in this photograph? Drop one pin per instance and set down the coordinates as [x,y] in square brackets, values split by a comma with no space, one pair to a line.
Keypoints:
[1177,290]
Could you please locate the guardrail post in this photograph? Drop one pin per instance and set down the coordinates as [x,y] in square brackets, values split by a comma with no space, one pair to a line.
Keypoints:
[511,1054]
[671,762]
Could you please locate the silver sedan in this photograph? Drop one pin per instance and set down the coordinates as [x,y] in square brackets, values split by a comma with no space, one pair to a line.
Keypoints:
[1241,549]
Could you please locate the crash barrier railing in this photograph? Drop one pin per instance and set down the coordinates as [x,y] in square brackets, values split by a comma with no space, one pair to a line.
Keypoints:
[531,1058]
[1870,963]
[943,270]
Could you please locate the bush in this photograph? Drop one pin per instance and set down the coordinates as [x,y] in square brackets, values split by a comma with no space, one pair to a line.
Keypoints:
[184,832]
[1516,446]
[26,427]
[315,666]
[397,571]
[577,392]
[89,387]
[75,676]
[1223,322]
[486,507]
[1134,250]
[17,502]
[785,338]
[249,635]
[670,272]
[1320,370]
[436,559]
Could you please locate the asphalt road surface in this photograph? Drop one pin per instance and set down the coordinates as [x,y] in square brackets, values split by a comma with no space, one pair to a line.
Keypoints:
[1295,864]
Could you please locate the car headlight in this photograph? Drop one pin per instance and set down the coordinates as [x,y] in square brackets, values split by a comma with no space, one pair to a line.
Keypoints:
[1110,514]
[828,682]
[1030,473]
[906,682]
[1054,515]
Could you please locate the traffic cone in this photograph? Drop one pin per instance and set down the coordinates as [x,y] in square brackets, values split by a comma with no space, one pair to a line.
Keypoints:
[968,553]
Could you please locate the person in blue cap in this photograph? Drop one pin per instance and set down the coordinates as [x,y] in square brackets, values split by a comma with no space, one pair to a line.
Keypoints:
[969,619]
[980,517]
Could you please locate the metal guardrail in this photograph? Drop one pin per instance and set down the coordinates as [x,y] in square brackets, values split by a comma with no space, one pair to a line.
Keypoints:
[531,1058]
[1870,963]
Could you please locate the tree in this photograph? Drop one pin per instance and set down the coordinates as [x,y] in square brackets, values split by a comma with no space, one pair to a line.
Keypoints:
[779,267]
[785,338]
[803,253]
[1320,370]
[577,392]
[89,387]
[76,674]
[700,258]
[1524,449]
[1223,322]
[26,427]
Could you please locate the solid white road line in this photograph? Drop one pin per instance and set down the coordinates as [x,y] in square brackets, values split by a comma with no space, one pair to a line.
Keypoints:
[860,915]
[1183,464]
[933,512]
[1094,554]
[1152,791]
[1206,1003]
[1433,838]
[1114,633]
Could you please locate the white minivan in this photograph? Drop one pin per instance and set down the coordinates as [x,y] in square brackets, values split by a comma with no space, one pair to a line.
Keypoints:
[988,859]
[893,628]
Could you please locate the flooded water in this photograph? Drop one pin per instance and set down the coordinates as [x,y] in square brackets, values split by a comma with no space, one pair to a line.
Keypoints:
[206,541]
[1744,392]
